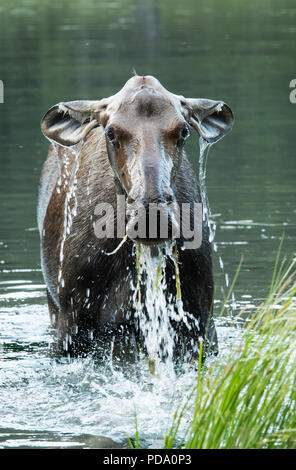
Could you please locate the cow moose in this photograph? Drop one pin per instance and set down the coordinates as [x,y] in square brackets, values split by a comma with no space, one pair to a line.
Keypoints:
[129,144]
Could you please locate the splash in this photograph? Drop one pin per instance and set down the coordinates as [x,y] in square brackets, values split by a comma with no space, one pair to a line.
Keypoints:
[67,180]
[158,310]
[203,157]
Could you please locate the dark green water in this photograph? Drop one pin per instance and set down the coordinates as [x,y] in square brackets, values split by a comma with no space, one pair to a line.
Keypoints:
[51,51]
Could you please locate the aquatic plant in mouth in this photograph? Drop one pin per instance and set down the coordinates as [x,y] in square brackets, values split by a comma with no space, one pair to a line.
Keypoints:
[249,399]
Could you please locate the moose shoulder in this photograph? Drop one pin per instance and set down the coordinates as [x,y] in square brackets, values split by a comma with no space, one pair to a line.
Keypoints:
[128,145]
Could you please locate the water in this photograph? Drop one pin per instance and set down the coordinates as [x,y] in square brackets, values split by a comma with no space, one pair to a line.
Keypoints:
[156,311]
[242,53]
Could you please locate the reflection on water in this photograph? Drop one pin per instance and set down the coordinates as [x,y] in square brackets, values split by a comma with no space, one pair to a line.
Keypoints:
[51,51]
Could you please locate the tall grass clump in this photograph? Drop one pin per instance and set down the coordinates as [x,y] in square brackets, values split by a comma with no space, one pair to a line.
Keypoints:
[249,400]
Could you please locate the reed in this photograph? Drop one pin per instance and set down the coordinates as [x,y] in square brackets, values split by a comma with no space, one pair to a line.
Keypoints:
[249,400]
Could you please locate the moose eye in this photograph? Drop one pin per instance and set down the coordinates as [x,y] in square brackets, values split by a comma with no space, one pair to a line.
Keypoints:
[110,134]
[185,132]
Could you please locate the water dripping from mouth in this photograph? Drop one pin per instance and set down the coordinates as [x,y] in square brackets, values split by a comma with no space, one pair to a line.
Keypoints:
[157,309]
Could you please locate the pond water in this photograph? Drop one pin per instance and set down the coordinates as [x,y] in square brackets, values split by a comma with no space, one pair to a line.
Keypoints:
[242,53]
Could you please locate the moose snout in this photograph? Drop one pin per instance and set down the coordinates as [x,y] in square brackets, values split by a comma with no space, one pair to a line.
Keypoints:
[150,220]
[149,211]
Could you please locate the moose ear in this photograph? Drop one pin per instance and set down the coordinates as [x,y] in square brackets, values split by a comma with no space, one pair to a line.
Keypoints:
[68,123]
[212,119]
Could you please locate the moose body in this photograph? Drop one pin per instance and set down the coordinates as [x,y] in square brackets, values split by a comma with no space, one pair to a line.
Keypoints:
[130,144]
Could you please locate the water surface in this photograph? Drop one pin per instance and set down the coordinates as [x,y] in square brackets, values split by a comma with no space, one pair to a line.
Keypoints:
[241,52]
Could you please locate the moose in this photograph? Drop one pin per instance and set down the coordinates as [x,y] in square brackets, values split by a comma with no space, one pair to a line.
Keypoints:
[130,144]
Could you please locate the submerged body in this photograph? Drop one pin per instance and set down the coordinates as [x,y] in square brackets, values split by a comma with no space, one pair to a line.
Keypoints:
[90,293]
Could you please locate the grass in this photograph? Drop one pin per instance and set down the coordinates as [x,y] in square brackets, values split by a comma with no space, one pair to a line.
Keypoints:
[249,402]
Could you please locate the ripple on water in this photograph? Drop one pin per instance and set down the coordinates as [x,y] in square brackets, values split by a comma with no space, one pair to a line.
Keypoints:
[51,402]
